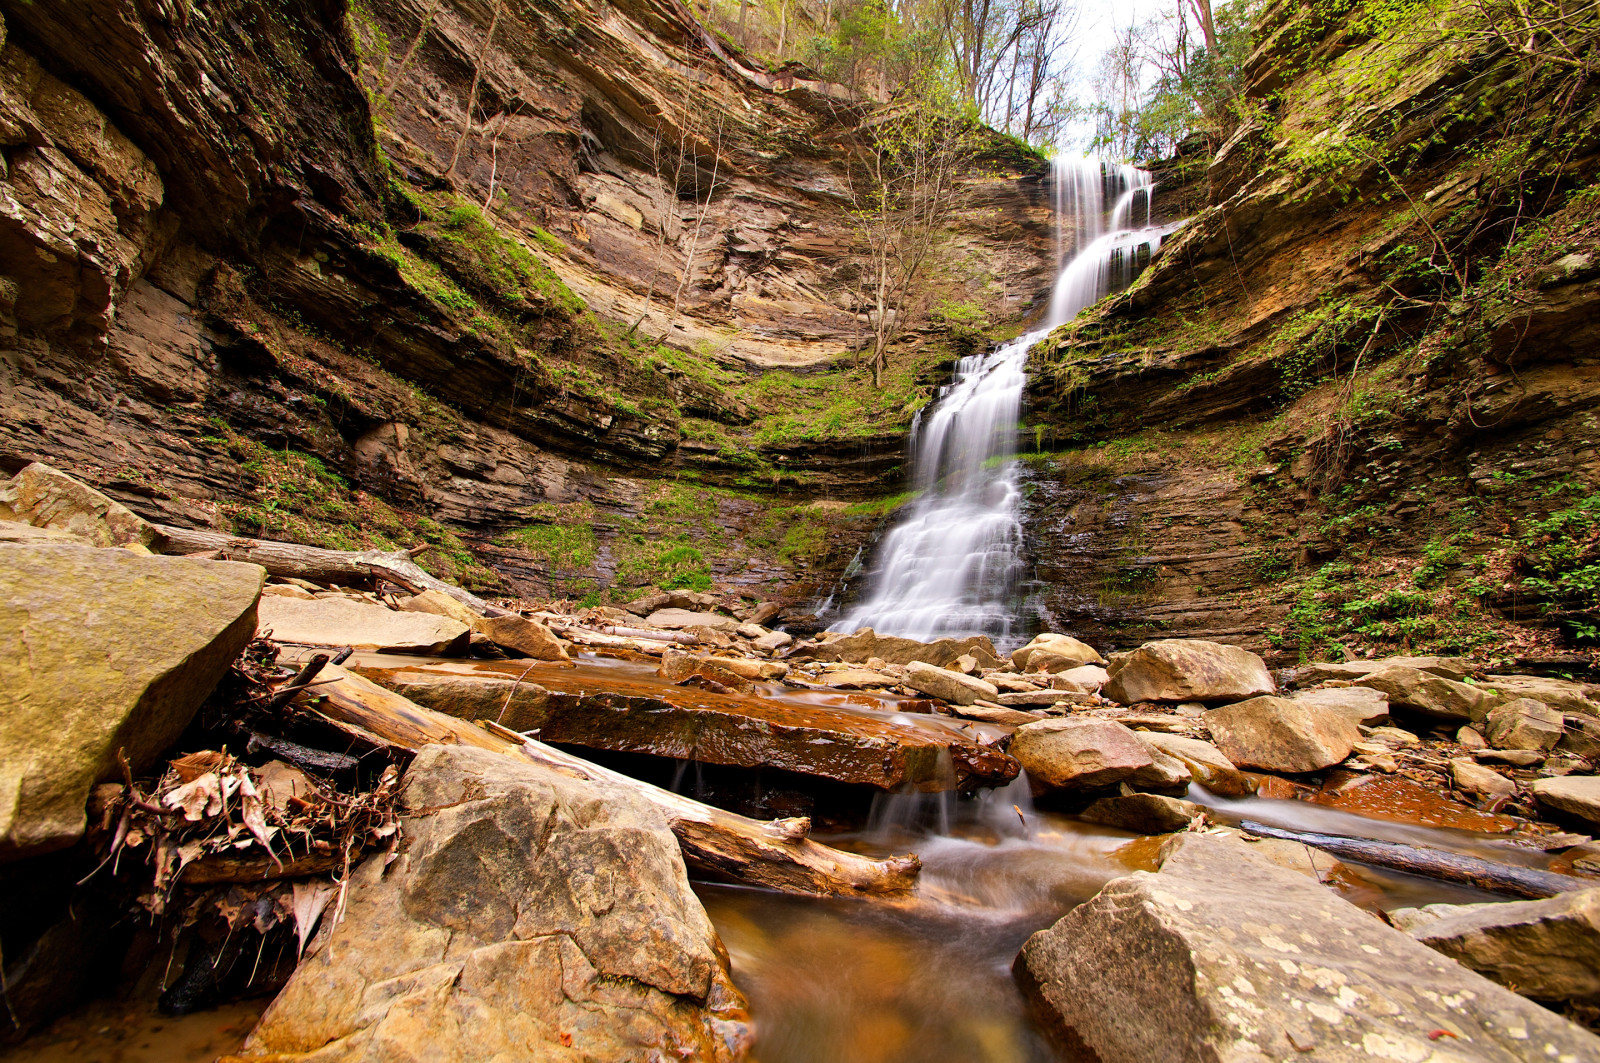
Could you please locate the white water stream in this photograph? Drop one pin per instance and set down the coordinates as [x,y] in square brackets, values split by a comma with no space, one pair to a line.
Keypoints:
[951,565]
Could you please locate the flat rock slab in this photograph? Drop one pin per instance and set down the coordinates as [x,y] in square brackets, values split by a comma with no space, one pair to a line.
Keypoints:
[529,916]
[1457,668]
[1225,957]
[103,650]
[1362,705]
[866,644]
[1580,699]
[1575,795]
[678,619]
[632,716]
[342,622]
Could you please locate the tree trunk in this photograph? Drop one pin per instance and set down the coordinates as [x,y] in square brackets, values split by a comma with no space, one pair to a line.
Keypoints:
[775,854]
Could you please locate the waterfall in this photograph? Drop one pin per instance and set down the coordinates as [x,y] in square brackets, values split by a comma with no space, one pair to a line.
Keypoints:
[952,564]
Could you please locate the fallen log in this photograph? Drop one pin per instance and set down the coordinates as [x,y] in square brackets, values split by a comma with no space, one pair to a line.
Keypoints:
[776,855]
[680,637]
[291,560]
[588,637]
[1427,862]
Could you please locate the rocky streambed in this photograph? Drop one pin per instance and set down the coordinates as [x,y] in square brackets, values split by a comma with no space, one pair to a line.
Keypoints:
[423,825]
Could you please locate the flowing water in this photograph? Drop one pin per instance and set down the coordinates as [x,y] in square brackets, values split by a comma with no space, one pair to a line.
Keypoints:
[952,564]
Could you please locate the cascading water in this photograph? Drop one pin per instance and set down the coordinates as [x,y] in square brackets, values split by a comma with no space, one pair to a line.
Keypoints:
[951,565]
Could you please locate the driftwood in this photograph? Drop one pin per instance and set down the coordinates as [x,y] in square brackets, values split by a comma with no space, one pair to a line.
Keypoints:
[586,637]
[681,637]
[1427,862]
[290,560]
[775,854]
[223,867]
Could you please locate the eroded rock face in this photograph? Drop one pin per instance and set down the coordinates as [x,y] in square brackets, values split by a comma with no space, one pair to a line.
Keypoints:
[1075,755]
[1281,734]
[101,650]
[529,915]
[1187,670]
[1224,957]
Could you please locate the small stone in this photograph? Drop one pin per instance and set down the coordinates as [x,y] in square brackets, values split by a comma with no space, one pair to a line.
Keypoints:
[1473,778]
[966,663]
[285,590]
[752,632]
[773,641]
[439,603]
[1470,739]
[1394,736]
[1519,758]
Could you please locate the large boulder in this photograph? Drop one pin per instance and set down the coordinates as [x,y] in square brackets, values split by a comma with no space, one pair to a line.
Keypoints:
[1362,705]
[48,498]
[1281,734]
[523,637]
[1523,723]
[342,622]
[1054,653]
[529,915]
[1429,694]
[1187,670]
[678,619]
[1225,957]
[954,687]
[100,651]
[1576,795]
[1563,695]
[1548,950]
[1457,668]
[1076,755]
[865,644]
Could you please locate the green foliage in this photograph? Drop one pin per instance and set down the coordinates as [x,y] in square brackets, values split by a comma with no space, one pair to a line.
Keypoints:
[1558,559]
[562,536]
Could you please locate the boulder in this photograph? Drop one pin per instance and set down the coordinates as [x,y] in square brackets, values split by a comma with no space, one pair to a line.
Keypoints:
[1164,773]
[1563,695]
[1281,734]
[1041,697]
[529,915]
[521,636]
[1143,813]
[102,650]
[1473,778]
[1187,670]
[954,687]
[678,619]
[857,679]
[679,667]
[1054,653]
[438,603]
[16,532]
[1523,723]
[1548,950]
[773,642]
[1457,668]
[1582,738]
[342,622]
[1428,694]
[1575,795]
[1006,717]
[1076,755]
[1225,957]
[1362,705]
[866,643]
[48,498]
[1085,679]
[764,612]
[1206,763]
[694,601]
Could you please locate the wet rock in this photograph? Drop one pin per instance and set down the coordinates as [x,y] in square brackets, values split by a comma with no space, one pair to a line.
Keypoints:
[1187,670]
[866,643]
[629,716]
[1225,956]
[997,714]
[1143,813]
[679,619]
[342,622]
[1281,734]
[529,915]
[1206,763]
[1164,773]
[1362,705]
[679,667]
[773,642]
[104,650]
[1054,653]
[1473,778]
[44,497]
[1428,694]
[1076,755]
[438,603]
[1563,695]
[1548,950]
[1577,796]
[1524,724]
[1456,668]
[954,687]
[522,637]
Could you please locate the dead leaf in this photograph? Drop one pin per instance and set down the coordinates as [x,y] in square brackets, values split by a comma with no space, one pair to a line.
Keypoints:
[198,799]
[252,809]
[310,901]
[191,766]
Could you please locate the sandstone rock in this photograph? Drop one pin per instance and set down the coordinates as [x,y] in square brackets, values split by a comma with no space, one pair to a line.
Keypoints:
[1429,694]
[1073,755]
[752,632]
[1187,670]
[1582,699]
[1085,679]
[1523,723]
[965,664]
[48,498]
[1164,773]
[1281,734]
[16,532]
[1474,778]
[342,622]
[1225,957]
[693,601]
[954,687]
[1206,763]
[528,916]
[764,611]
[1362,705]
[743,667]
[1054,653]
[287,590]
[857,679]
[1469,739]
[866,643]
[1577,796]
[102,650]
[439,603]
[521,636]
[773,642]
[1006,717]
[678,619]
[679,667]
[1042,697]
[1456,668]
[1143,813]
[1517,758]
[1548,950]
[1582,738]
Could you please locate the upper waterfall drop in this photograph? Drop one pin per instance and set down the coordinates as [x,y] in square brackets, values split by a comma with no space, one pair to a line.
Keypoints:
[952,565]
